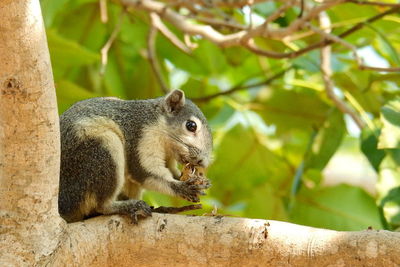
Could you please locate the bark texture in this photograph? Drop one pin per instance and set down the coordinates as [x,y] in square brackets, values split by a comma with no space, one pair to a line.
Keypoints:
[177,240]
[29,137]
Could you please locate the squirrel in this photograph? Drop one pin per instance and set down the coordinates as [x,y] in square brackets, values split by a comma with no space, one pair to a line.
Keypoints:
[112,149]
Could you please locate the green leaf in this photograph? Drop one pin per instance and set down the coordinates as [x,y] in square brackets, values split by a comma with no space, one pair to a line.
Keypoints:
[246,164]
[327,141]
[67,53]
[265,203]
[302,109]
[369,146]
[389,181]
[385,45]
[390,116]
[211,57]
[391,206]
[69,93]
[389,172]
[50,9]
[341,207]
[309,62]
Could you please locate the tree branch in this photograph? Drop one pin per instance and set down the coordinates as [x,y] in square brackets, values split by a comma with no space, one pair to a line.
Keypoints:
[151,54]
[241,87]
[174,210]
[103,11]
[156,21]
[218,3]
[324,42]
[389,69]
[359,60]
[360,2]
[177,240]
[327,73]
[216,37]
[104,50]
[244,37]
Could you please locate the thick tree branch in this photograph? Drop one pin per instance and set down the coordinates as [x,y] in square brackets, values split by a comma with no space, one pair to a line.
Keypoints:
[29,137]
[176,240]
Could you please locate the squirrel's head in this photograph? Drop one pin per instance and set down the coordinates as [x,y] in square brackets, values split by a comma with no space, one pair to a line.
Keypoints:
[188,131]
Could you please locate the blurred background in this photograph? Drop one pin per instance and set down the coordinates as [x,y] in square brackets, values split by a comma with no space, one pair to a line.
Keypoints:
[285,148]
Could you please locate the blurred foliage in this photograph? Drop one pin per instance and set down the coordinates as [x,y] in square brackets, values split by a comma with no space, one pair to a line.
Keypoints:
[272,142]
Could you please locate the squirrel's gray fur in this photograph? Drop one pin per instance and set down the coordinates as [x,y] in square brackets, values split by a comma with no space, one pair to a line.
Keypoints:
[111,149]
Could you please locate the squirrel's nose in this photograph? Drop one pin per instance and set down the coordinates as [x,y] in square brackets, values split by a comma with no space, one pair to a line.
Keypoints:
[203,162]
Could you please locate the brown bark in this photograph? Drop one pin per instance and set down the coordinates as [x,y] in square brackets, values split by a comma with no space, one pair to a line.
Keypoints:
[29,137]
[32,233]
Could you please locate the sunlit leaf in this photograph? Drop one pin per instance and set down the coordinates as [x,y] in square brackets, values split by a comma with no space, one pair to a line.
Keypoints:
[391,206]
[369,146]
[385,46]
[293,109]
[327,141]
[388,184]
[246,164]
[390,116]
[341,207]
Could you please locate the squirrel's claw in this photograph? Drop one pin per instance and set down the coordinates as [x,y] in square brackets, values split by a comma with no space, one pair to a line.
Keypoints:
[140,209]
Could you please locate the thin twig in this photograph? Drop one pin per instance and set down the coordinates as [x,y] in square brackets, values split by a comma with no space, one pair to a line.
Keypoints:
[389,69]
[327,73]
[156,21]
[103,11]
[250,5]
[240,87]
[322,43]
[360,62]
[327,35]
[218,22]
[301,8]
[189,43]
[219,3]
[104,50]
[174,210]
[151,54]
[360,2]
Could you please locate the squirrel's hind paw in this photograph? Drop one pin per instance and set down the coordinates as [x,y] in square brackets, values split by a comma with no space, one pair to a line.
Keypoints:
[139,209]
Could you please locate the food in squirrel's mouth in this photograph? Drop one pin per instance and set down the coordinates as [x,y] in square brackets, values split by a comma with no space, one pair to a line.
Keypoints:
[197,173]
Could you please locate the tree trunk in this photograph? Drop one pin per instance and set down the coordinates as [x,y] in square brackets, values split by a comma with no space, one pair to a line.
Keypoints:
[32,233]
[29,137]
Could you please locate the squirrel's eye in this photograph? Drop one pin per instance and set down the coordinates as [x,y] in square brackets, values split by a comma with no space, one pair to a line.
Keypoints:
[191,126]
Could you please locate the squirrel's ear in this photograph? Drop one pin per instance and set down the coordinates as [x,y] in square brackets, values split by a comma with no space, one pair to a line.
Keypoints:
[175,100]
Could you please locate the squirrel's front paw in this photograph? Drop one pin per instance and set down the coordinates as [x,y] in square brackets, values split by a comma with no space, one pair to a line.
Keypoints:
[191,189]
[140,208]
